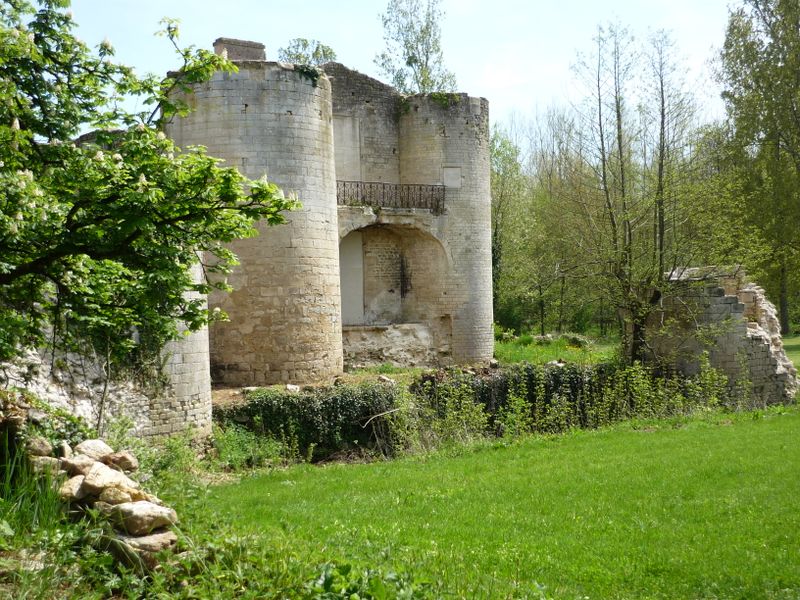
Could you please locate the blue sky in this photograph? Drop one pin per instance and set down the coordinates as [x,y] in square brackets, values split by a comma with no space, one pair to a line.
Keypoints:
[516,53]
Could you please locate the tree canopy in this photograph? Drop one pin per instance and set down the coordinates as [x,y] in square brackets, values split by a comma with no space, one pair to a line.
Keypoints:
[98,233]
[413,58]
[302,51]
[760,71]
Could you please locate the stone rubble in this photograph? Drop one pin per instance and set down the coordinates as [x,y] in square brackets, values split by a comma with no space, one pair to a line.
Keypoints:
[93,475]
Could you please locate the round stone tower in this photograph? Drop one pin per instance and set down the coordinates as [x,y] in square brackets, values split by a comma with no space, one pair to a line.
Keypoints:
[271,119]
[444,140]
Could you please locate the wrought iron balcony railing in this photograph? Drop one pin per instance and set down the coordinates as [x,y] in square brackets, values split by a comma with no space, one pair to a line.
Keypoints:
[390,195]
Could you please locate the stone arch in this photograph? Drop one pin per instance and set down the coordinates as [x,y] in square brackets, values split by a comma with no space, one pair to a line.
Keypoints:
[394,282]
[359,218]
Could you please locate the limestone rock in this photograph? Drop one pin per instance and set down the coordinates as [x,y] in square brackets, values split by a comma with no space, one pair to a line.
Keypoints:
[137,495]
[101,476]
[37,416]
[104,507]
[70,490]
[155,542]
[122,460]
[142,517]
[45,464]
[115,495]
[39,446]
[63,450]
[78,464]
[95,449]
[292,388]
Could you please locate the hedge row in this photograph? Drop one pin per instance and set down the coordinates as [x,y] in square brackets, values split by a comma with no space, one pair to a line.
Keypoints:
[319,423]
[455,405]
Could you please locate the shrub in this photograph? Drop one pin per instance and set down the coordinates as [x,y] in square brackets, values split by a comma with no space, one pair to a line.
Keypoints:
[319,423]
[502,334]
[576,340]
[453,406]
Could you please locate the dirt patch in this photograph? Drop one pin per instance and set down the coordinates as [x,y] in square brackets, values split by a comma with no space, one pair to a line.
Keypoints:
[224,397]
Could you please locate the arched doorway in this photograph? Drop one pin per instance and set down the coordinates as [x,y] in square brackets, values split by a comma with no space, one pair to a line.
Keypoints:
[394,301]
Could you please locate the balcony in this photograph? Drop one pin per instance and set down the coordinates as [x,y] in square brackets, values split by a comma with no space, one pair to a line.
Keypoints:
[390,195]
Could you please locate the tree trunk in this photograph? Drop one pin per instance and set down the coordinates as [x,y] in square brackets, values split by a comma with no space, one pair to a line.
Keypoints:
[783,300]
[541,311]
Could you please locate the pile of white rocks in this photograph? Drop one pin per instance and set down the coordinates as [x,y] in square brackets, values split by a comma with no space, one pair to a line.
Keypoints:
[95,476]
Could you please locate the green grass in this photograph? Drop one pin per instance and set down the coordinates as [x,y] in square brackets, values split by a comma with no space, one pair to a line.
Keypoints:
[791,344]
[559,349]
[698,508]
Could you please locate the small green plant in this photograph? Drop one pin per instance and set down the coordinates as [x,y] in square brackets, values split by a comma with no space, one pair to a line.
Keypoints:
[58,426]
[347,583]
[310,72]
[28,500]
[445,99]
[515,419]
[238,448]
[525,339]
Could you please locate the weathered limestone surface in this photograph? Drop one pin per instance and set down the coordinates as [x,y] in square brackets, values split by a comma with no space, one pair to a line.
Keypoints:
[404,344]
[271,119]
[416,268]
[94,449]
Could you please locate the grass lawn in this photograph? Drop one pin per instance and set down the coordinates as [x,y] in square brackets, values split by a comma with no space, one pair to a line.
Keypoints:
[792,345]
[701,508]
[559,349]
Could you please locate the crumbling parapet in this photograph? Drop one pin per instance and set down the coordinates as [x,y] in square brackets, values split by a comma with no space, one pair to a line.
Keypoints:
[730,318]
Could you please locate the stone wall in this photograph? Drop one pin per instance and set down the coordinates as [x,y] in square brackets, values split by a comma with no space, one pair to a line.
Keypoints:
[432,270]
[185,402]
[155,407]
[375,107]
[731,319]
[401,345]
[445,140]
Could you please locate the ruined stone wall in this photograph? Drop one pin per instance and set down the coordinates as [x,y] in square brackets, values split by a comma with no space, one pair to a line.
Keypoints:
[174,400]
[270,119]
[383,256]
[374,109]
[185,402]
[733,321]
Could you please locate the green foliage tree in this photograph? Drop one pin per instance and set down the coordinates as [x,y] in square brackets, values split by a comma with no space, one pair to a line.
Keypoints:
[507,187]
[98,235]
[413,58]
[760,69]
[609,194]
[302,51]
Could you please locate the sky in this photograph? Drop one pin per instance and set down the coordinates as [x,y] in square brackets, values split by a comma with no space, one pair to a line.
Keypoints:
[518,54]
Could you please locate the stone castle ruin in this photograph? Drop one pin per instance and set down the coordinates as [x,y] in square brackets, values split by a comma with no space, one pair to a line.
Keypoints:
[389,259]
[724,314]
